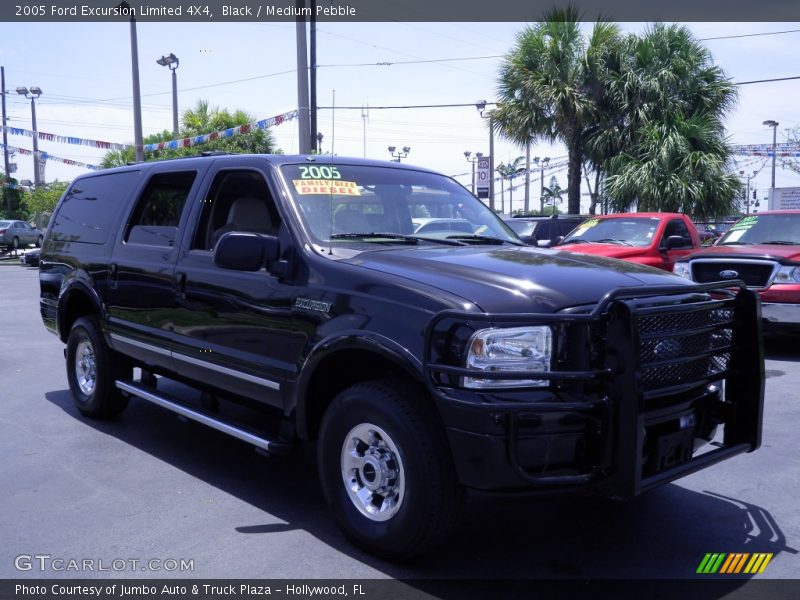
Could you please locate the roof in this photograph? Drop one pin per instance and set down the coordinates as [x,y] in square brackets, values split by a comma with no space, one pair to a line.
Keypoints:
[274,159]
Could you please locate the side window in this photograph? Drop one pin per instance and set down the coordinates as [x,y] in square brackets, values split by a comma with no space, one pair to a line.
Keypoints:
[91,207]
[155,219]
[676,227]
[238,200]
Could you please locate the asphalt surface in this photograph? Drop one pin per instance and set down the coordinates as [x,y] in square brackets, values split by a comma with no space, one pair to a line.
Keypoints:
[149,487]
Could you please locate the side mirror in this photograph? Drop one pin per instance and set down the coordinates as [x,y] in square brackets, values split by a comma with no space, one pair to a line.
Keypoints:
[246,251]
[677,241]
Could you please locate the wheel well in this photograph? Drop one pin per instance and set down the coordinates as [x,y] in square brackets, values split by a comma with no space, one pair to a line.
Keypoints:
[78,304]
[340,371]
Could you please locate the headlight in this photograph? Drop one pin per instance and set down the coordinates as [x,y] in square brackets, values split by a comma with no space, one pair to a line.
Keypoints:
[788,275]
[683,269]
[508,350]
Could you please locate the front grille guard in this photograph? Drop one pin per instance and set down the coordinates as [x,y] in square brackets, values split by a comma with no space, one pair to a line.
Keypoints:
[738,358]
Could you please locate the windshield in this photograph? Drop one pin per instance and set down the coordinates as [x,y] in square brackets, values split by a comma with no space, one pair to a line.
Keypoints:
[764,229]
[338,201]
[628,231]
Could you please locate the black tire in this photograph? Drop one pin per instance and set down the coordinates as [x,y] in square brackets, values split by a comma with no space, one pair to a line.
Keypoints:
[15,243]
[39,241]
[415,454]
[91,376]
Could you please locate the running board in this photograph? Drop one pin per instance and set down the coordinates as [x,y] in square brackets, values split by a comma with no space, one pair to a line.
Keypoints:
[271,446]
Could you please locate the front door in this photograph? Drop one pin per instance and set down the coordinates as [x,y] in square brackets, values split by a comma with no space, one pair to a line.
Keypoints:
[234,328]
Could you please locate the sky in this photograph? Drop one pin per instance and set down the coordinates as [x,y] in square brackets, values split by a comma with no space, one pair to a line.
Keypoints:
[84,71]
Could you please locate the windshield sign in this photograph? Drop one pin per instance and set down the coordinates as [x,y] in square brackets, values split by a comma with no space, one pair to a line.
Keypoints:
[627,231]
[764,229]
[352,203]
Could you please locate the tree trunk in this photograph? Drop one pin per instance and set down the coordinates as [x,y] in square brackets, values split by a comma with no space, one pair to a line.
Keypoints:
[574,179]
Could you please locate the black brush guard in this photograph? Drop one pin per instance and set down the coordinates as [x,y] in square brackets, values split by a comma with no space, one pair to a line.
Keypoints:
[634,376]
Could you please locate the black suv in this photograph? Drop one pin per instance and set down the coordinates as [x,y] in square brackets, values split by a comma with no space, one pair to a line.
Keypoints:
[543,231]
[421,364]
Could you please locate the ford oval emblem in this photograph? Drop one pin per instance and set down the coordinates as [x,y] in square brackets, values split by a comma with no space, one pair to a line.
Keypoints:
[729,274]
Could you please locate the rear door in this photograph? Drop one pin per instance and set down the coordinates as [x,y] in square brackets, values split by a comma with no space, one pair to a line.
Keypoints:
[141,291]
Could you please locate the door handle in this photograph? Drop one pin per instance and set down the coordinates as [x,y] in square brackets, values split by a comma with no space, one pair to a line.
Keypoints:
[180,286]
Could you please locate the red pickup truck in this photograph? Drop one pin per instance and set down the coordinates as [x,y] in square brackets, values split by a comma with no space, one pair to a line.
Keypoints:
[655,239]
[763,250]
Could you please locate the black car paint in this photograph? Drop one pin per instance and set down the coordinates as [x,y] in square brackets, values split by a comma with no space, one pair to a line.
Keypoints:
[157,304]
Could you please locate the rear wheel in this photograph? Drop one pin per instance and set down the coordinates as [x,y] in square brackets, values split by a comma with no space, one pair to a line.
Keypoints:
[39,241]
[15,243]
[92,368]
[386,470]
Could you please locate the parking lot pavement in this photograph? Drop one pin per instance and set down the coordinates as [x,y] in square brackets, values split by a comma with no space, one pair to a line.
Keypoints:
[149,487]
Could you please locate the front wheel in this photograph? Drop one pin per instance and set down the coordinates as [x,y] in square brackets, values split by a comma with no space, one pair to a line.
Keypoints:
[92,368]
[386,470]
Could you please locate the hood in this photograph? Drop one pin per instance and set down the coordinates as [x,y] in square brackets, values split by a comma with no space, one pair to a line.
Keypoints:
[609,250]
[514,278]
[760,251]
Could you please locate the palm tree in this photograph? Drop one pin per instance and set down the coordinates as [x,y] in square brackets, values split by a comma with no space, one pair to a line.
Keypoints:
[672,152]
[514,168]
[197,121]
[551,87]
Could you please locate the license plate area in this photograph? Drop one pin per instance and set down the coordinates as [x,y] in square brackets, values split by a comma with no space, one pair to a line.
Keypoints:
[666,448]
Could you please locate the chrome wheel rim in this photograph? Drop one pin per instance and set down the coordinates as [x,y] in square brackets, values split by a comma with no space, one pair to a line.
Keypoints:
[85,367]
[372,470]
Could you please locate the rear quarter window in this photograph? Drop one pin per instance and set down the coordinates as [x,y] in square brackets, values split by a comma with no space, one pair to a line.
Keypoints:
[91,207]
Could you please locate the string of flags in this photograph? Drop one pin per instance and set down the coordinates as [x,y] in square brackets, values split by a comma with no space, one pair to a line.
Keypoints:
[783,149]
[64,139]
[225,133]
[47,156]
[183,143]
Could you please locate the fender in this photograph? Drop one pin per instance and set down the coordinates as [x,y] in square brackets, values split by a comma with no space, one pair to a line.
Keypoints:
[72,283]
[339,342]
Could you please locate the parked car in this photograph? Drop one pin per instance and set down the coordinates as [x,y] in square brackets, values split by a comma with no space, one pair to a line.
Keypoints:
[543,231]
[19,234]
[420,365]
[31,257]
[430,225]
[655,239]
[763,250]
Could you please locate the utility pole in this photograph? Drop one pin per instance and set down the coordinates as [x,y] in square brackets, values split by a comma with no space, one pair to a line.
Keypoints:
[364,119]
[313,71]
[138,139]
[304,133]
[6,165]
[527,176]
[774,125]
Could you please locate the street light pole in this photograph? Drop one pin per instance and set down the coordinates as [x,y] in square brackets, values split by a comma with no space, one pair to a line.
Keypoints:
[398,155]
[171,61]
[468,156]
[747,193]
[774,125]
[32,94]
[481,106]
[545,160]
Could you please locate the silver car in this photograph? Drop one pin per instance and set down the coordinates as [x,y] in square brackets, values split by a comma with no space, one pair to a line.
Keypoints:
[19,234]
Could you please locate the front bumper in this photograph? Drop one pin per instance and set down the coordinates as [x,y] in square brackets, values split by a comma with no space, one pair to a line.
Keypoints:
[626,417]
[780,313]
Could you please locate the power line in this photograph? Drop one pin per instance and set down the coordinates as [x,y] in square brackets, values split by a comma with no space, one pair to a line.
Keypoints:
[768,80]
[744,35]
[413,62]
